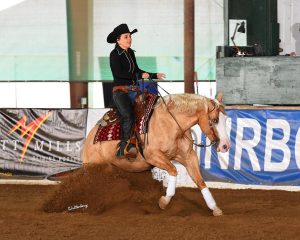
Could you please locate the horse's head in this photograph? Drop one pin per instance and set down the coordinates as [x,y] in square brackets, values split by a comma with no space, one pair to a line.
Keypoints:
[213,124]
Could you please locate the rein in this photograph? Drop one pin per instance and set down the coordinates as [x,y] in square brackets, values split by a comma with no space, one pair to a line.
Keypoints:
[182,131]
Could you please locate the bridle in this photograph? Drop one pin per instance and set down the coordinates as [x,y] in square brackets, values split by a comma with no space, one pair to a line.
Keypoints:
[211,122]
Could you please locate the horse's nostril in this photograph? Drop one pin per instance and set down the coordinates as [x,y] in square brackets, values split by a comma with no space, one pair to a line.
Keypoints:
[224,146]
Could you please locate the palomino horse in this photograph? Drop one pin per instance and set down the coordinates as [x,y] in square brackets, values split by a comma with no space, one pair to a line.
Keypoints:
[169,138]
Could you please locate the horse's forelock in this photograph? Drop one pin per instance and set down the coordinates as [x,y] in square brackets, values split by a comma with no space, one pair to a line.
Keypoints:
[217,103]
[220,106]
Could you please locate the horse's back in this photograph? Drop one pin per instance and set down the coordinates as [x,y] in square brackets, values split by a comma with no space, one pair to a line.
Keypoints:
[100,152]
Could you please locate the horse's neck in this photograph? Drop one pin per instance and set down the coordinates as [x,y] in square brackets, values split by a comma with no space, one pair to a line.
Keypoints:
[179,120]
[185,121]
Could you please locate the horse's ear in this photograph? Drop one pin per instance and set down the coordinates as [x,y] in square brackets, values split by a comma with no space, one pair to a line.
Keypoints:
[219,96]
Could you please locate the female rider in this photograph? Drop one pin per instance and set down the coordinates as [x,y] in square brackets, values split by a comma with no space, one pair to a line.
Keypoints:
[125,73]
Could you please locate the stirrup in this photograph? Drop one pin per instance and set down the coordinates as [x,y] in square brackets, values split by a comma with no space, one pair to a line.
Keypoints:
[130,151]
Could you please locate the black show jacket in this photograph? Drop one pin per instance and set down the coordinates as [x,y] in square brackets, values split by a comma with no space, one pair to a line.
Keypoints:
[124,67]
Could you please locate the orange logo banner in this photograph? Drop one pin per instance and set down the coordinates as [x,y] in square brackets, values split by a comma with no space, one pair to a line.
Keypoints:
[30,129]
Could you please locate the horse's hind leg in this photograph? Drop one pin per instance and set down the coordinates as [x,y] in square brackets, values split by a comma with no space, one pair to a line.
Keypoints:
[192,167]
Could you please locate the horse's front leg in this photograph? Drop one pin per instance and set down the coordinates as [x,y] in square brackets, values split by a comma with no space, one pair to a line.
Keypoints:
[159,160]
[192,165]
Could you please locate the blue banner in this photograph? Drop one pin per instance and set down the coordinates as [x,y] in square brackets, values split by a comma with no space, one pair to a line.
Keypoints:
[265,149]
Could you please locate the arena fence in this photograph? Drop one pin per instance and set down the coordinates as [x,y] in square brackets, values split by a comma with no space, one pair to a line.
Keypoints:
[37,144]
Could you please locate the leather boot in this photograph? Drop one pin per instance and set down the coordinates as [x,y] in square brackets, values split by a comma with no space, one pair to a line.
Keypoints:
[121,148]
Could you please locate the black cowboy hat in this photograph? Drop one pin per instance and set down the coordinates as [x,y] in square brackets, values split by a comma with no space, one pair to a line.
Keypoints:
[122,28]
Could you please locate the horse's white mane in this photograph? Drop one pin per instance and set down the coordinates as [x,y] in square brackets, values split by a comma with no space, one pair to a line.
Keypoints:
[188,103]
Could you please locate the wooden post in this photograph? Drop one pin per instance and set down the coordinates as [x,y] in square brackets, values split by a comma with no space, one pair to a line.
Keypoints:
[189,46]
[79,94]
[80,48]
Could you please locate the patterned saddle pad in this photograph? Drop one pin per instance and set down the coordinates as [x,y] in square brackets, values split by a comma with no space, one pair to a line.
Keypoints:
[109,125]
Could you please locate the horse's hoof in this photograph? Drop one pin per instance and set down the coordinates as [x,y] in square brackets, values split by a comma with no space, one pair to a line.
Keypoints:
[217,211]
[163,202]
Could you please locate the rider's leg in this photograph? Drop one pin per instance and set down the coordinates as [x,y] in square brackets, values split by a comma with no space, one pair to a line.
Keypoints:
[125,109]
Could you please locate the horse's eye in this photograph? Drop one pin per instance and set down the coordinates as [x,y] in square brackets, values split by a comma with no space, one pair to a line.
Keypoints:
[215,120]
